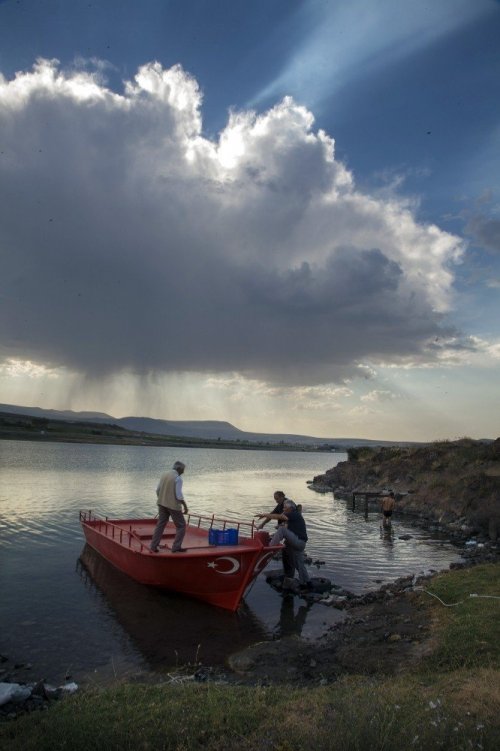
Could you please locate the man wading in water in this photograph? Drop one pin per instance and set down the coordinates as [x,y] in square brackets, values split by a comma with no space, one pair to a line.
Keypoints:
[388,504]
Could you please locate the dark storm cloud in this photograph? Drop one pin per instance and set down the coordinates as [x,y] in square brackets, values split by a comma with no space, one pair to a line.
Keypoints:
[129,241]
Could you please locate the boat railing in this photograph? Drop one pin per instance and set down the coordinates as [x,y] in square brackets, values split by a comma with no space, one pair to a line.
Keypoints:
[124,536]
[218,522]
[113,531]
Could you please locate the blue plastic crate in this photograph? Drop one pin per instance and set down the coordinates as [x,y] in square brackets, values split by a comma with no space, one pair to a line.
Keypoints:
[223,536]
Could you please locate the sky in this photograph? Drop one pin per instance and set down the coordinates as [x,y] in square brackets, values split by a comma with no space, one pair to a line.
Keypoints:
[280,213]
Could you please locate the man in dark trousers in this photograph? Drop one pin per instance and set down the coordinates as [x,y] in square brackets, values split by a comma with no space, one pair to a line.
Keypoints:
[294,533]
[287,554]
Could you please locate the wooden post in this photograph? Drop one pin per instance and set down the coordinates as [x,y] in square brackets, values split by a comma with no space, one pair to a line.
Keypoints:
[353,501]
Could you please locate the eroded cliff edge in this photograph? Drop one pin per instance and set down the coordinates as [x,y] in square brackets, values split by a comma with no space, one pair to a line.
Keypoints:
[452,483]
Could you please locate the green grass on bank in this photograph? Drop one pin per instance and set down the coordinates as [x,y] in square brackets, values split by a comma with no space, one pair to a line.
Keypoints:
[356,713]
[439,705]
[467,627]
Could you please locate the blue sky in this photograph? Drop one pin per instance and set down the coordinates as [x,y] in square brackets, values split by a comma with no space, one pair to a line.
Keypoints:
[281,214]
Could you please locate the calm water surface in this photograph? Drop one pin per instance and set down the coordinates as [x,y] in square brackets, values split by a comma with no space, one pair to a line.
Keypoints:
[67,611]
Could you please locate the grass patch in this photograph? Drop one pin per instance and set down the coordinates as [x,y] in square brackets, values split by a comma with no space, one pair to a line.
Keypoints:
[468,634]
[356,713]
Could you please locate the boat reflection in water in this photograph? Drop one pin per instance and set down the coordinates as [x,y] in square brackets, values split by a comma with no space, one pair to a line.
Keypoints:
[167,629]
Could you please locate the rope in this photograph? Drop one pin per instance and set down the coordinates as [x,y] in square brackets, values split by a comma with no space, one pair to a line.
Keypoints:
[454,604]
[447,605]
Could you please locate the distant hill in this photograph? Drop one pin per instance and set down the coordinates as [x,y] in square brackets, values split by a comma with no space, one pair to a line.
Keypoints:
[55,414]
[208,429]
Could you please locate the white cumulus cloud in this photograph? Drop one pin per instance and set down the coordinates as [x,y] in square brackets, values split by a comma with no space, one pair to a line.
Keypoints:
[131,242]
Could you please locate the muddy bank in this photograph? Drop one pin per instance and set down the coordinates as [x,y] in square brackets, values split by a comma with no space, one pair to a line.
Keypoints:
[381,636]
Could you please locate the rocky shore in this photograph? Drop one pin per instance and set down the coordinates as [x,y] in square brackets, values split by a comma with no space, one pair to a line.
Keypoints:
[451,486]
[20,696]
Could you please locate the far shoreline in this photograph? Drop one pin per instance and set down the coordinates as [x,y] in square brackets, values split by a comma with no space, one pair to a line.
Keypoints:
[147,440]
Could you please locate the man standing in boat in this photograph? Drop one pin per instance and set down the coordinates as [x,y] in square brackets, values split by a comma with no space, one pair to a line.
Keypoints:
[171,503]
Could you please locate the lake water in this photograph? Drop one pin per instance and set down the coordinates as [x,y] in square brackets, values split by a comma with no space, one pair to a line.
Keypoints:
[68,612]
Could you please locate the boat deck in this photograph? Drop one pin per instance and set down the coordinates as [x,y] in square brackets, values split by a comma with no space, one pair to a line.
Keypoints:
[137,535]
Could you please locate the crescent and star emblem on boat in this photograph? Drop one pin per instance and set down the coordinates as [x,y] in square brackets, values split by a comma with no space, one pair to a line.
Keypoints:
[235,566]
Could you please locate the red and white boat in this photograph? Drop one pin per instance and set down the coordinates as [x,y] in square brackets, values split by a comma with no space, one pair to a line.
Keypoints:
[218,574]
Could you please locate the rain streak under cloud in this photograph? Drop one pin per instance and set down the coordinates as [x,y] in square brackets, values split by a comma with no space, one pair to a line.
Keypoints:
[132,242]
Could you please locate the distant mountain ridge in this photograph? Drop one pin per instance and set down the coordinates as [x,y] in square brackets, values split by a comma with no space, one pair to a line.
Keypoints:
[210,429]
